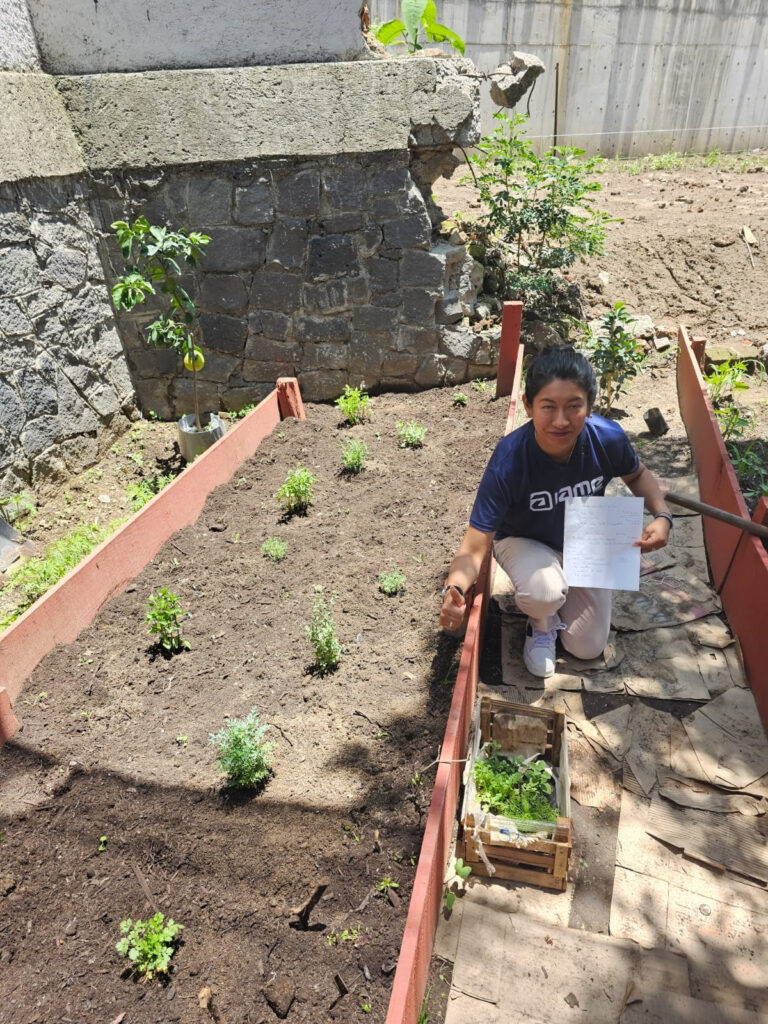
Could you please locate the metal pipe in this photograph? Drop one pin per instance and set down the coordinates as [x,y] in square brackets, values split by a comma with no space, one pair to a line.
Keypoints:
[747,525]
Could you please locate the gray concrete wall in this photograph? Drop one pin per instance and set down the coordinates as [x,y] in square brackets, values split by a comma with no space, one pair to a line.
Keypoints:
[84,37]
[636,76]
[18,47]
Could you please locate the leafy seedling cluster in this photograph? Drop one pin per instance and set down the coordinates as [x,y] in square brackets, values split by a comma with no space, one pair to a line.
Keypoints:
[514,787]
[615,355]
[722,381]
[321,632]
[142,491]
[297,492]
[243,755]
[149,945]
[417,16]
[460,399]
[411,434]
[274,549]
[353,455]
[164,616]
[354,403]
[456,880]
[391,582]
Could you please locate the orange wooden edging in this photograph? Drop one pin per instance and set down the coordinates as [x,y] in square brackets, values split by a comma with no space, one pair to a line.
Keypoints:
[71,605]
[410,981]
[511,322]
[739,562]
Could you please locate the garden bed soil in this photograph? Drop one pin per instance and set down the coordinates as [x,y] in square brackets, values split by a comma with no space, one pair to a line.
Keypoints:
[114,743]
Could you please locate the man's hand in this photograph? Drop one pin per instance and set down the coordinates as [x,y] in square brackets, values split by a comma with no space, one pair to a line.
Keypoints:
[453,610]
[655,535]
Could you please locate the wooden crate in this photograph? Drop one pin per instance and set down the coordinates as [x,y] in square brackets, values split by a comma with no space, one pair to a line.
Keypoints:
[543,860]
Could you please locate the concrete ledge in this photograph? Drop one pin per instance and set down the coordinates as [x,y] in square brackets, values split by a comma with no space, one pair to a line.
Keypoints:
[739,562]
[36,133]
[228,114]
[71,605]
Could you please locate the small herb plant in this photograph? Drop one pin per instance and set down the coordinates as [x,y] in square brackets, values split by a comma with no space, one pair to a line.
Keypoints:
[385,884]
[459,398]
[347,935]
[391,582]
[514,787]
[274,549]
[153,257]
[456,880]
[243,755]
[149,945]
[142,491]
[615,355]
[479,385]
[417,15]
[297,492]
[353,455]
[164,618]
[102,844]
[354,403]
[722,381]
[411,434]
[321,632]
[18,510]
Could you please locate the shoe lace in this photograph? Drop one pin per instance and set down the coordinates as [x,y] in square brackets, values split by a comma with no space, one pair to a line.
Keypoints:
[544,638]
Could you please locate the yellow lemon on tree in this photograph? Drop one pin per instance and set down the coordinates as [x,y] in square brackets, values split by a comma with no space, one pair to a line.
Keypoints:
[194,360]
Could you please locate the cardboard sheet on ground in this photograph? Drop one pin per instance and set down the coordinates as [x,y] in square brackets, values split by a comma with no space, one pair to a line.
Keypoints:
[728,739]
[709,632]
[664,600]
[701,797]
[549,972]
[599,544]
[513,670]
[676,1008]
[650,746]
[666,664]
[732,841]
[686,764]
[640,852]
[592,783]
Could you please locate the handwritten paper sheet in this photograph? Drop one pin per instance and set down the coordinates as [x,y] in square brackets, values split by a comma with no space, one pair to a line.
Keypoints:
[598,548]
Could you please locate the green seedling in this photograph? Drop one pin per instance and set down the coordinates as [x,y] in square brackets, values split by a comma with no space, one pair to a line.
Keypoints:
[385,884]
[411,434]
[164,619]
[243,755]
[102,844]
[274,549]
[297,492]
[615,355]
[142,491]
[514,787]
[149,945]
[460,398]
[460,874]
[423,1017]
[480,386]
[321,632]
[181,740]
[353,455]
[354,403]
[365,1005]
[392,582]
[347,935]
[241,413]
[18,510]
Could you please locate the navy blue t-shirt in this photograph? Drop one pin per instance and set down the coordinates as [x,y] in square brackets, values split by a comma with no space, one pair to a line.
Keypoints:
[523,490]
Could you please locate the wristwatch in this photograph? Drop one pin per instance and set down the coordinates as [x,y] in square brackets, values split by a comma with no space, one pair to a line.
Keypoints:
[451,586]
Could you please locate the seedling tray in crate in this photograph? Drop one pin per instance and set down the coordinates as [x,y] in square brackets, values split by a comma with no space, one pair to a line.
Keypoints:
[519,851]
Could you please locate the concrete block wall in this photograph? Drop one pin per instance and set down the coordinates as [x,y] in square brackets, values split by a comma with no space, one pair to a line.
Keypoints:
[321,269]
[636,76]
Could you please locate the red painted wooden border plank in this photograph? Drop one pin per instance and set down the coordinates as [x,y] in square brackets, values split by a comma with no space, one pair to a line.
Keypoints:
[739,563]
[412,971]
[511,321]
[60,614]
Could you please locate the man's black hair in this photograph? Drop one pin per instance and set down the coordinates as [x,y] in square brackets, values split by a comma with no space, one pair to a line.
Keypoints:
[560,362]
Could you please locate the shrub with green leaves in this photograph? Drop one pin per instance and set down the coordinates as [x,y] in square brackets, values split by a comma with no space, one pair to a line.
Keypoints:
[243,755]
[615,355]
[459,398]
[164,619]
[411,434]
[274,549]
[391,582]
[417,15]
[538,207]
[149,945]
[353,455]
[297,492]
[321,632]
[354,403]
[514,788]
[18,510]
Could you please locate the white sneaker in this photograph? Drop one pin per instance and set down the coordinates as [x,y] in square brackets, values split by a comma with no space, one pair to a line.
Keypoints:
[539,649]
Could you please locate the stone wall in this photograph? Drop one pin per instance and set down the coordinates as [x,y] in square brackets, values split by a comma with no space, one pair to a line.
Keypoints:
[322,269]
[64,384]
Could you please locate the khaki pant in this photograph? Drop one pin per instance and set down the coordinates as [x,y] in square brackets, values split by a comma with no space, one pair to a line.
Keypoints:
[542,593]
